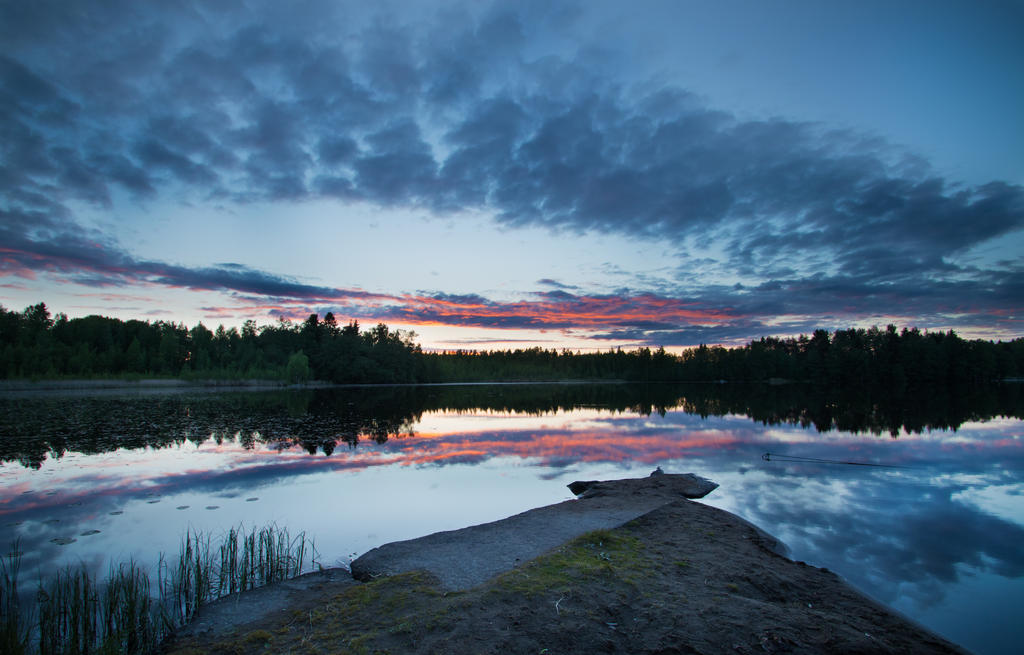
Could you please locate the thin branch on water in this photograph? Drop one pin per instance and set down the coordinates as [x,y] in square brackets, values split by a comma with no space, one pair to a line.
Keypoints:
[769,457]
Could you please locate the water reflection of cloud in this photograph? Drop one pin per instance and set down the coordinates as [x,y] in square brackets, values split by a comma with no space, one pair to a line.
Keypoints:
[890,534]
[1003,500]
[896,532]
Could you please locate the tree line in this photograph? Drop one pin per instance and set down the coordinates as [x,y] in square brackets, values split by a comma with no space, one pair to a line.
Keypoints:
[889,358]
[886,357]
[35,345]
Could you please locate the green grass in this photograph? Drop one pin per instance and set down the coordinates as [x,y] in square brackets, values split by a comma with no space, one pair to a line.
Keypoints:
[75,614]
[601,552]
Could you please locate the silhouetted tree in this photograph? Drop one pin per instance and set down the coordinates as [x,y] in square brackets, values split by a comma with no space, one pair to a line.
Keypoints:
[298,368]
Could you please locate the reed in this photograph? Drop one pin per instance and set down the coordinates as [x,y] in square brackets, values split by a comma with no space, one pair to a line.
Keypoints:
[15,625]
[264,555]
[69,611]
[186,585]
[129,614]
[73,614]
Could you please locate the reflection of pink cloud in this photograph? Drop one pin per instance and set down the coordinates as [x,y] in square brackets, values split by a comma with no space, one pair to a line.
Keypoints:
[611,442]
[13,493]
[250,466]
[550,446]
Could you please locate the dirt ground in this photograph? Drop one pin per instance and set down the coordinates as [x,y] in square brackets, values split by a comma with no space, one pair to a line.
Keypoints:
[681,578]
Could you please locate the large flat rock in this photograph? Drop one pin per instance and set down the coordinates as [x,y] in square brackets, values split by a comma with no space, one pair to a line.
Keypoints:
[463,559]
[670,576]
[686,485]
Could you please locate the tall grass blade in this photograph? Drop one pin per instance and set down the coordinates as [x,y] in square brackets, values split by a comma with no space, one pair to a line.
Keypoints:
[125,613]
[14,623]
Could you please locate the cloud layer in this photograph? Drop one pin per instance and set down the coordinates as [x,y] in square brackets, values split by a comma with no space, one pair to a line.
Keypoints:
[458,109]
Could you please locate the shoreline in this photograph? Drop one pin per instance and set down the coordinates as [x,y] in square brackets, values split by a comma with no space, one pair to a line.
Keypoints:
[174,385]
[630,566]
[85,384]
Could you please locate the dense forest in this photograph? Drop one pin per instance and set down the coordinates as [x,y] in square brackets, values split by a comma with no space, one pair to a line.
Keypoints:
[35,345]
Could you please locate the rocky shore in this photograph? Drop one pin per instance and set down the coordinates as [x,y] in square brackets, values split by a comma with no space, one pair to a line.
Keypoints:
[631,566]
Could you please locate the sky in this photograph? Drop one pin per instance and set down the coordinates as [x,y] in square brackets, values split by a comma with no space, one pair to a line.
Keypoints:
[495,175]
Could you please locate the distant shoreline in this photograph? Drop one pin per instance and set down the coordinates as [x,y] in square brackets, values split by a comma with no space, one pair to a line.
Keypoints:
[179,384]
[145,383]
[157,385]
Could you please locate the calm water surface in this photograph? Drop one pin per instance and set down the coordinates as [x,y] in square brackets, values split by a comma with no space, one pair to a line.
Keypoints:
[937,533]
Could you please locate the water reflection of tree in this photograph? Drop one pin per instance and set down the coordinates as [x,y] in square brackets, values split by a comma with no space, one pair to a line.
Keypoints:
[31,430]
[876,411]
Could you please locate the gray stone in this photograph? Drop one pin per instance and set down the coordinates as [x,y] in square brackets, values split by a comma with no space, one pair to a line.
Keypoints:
[687,485]
[463,559]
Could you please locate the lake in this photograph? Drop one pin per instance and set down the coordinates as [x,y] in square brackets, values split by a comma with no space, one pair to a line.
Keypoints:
[918,501]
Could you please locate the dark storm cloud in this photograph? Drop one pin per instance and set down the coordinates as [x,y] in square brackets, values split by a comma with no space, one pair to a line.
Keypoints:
[460,112]
[123,171]
[399,168]
[336,150]
[155,155]
[30,244]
